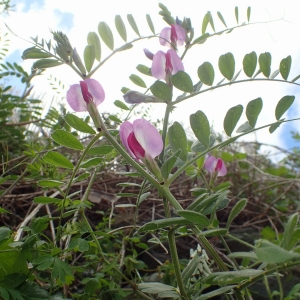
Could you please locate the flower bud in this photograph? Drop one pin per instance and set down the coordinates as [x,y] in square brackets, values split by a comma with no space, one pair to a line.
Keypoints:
[134,97]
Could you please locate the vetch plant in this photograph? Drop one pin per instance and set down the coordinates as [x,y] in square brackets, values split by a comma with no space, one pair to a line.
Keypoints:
[81,260]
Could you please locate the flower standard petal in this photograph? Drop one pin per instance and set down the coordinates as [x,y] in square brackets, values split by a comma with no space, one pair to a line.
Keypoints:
[126,129]
[176,61]
[221,167]
[96,90]
[210,164]
[148,137]
[165,37]
[89,90]
[180,34]
[75,98]
[173,36]
[215,165]
[158,65]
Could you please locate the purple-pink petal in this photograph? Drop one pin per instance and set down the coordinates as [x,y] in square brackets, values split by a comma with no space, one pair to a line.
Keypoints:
[75,98]
[213,164]
[176,61]
[126,129]
[135,146]
[96,89]
[210,164]
[174,34]
[148,137]
[181,35]
[159,65]
[165,37]
[87,97]
[148,54]
[223,170]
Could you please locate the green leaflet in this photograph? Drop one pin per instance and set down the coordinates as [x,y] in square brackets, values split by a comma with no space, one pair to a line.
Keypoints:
[206,73]
[227,65]
[250,63]
[46,63]
[89,56]
[285,67]
[66,139]
[34,53]
[133,24]
[201,128]
[137,80]
[58,160]
[283,105]
[78,124]
[238,207]
[183,82]
[221,18]
[150,23]
[161,90]
[106,35]
[178,140]
[253,110]
[121,105]
[93,39]
[231,119]
[265,60]
[121,27]
[236,12]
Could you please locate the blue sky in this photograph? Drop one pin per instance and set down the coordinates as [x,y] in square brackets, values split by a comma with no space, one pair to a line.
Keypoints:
[38,17]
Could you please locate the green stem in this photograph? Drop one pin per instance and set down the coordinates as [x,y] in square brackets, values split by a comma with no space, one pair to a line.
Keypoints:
[229,251]
[91,143]
[231,83]
[175,260]
[240,241]
[266,282]
[280,285]
[209,249]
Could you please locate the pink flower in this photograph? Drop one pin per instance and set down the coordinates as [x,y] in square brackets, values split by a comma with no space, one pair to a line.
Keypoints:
[87,91]
[166,64]
[173,36]
[215,165]
[141,139]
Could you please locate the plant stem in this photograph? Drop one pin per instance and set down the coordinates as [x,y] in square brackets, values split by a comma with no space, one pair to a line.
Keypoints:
[240,241]
[91,143]
[175,260]
[231,83]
